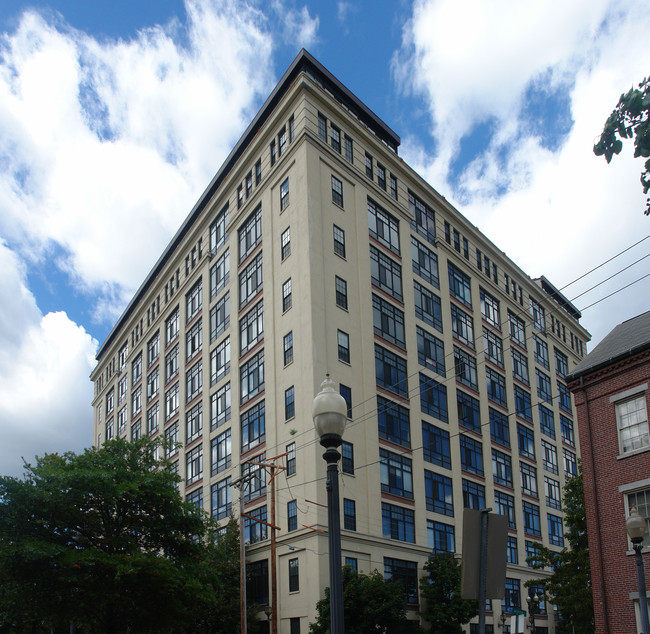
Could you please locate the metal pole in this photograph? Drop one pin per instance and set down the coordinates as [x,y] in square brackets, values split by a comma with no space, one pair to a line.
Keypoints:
[643,599]
[242,564]
[332,457]
[482,578]
[274,585]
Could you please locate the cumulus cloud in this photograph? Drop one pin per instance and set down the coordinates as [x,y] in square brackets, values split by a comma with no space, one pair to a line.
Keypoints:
[545,203]
[299,26]
[45,361]
[106,145]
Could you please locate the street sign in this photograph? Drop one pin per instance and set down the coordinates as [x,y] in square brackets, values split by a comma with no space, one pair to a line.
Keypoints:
[518,611]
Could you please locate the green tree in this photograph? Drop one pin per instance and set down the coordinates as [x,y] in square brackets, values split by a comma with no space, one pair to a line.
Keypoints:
[444,609]
[103,540]
[569,587]
[370,605]
[630,118]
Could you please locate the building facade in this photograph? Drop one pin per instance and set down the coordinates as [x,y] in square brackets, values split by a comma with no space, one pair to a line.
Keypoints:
[610,386]
[313,231]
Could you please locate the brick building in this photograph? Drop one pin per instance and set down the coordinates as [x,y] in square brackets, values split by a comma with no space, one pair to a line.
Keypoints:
[610,386]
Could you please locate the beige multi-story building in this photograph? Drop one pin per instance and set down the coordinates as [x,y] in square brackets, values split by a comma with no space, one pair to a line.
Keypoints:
[316,249]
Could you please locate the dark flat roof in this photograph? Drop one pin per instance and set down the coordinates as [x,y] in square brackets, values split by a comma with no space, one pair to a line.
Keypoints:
[304,62]
[627,339]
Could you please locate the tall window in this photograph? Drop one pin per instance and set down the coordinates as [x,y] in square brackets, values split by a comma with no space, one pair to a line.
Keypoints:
[339,241]
[496,386]
[335,138]
[153,349]
[289,403]
[459,285]
[369,168]
[462,326]
[504,504]
[222,499]
[383,226]
[465,366]
[171,401]
[433,398]
[220,406]
[255,531]
[381,176]
[406,574]
[250,234]
[194,422]
[291,458]
[194,465]
[287,348]
[285,243]
[194,340]
[439,493]
[349,149]
[425,262]
[473,495]
[393,421]
[531,518]
[347,458]
[517,329]
[346,393]
[292,515]
[523,405]
[251,376]
[553,493]
[385,273]
[337,191]
[220,361]
[322,127]
[220,317]
[393,187]
[253,427]
[424,218]
[549,457]
[398,522]
[546,422]
[490,309]
[528,479]
[427,306]
[194,301]
[539,317]
[436,446]
[152,419]
[220,452]
[220,274]
[566,427]
[501,468]
[349,515]
[294,578]
[194,381]
[388,321]
[469,413]
[250,281]
[341,288]
[519,366]
[561,363]
[343,343]
[493,347]
[286,295]
[499,429]
[284,194]
[471,454]
[540,348]
[171,326]
[396,474]
[440,537]
[218,234]
[390,371]
[632,423]
[431,351]
[251,328]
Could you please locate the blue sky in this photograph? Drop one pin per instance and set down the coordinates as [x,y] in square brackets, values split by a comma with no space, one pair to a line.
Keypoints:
[117,114]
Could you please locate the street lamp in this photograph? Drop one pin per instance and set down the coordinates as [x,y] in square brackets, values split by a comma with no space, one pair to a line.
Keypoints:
[329,411]
[635,525]
[503,618]
[533,606]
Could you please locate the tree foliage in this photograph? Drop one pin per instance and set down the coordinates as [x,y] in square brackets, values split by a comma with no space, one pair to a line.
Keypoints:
[370,605]
[103,540]
[569,587]
[630,118]
[444,608]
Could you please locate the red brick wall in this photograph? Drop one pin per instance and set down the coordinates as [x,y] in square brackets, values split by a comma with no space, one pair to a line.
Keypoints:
[613,571]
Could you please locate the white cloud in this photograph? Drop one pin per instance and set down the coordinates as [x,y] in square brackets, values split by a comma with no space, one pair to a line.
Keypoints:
[97,137]
[299,26]
[547,208]
[45,361]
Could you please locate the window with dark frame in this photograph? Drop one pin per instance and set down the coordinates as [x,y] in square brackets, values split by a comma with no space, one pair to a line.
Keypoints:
[341,288]
[339,241]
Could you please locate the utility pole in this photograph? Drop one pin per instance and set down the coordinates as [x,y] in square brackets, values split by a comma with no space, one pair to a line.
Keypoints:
[274,468]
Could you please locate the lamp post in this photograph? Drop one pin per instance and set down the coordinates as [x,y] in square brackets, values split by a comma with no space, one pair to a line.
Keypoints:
[329,411]
[503,618]
[533,606]
[635,525]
